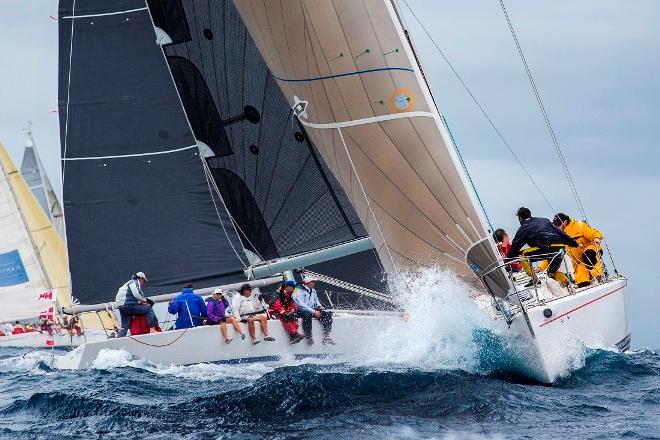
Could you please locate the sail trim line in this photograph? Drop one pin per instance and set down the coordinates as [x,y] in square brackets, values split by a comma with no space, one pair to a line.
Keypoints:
[340,75]
[106,13]
[366,198]
[121,156]
[371,120]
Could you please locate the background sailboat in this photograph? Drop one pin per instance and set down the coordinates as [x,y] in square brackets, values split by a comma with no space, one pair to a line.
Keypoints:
[33,258]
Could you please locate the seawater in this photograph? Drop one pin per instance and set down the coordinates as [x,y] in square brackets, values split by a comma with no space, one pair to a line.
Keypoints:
[449,374]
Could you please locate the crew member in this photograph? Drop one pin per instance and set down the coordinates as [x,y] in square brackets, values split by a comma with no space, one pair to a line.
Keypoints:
[586,258]
[188,307]
[503,242]
[131,301]
[310,307]
[284,308]
[246,307]
[544,241]
[216,314]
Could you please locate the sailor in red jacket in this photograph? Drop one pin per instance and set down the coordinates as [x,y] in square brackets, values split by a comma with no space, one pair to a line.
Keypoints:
[284,308]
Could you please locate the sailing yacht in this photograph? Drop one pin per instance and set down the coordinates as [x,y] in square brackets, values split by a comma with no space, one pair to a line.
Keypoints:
[33,265]
[205,142]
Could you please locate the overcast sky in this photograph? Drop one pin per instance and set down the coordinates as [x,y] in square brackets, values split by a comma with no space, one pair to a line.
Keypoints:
[595,63]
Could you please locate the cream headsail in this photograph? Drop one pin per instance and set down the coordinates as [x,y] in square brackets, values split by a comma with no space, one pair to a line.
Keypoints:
[33,257]
[350,73]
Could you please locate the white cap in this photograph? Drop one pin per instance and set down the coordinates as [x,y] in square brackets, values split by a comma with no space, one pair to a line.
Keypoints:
[218,290]
[141,275]
[309,279]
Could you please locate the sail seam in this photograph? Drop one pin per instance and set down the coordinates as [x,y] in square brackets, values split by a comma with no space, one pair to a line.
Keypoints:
[121,156]
[106,13]
[371,120]
[340,75]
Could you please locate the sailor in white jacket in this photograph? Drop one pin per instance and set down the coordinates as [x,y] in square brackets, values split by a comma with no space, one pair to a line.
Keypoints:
[310,307]
[131,301]
[248,308]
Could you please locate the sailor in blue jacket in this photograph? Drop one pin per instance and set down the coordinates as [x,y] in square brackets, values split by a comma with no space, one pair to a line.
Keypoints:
[189,308]
[544,239]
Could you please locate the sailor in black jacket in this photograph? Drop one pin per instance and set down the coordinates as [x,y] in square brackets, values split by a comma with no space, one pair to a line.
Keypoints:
[543,238]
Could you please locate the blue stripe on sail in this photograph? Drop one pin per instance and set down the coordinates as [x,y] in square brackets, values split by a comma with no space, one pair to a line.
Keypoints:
[339,75]
[12,271]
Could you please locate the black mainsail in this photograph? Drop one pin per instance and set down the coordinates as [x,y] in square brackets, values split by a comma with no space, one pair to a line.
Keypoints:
[135,192]
[177,160]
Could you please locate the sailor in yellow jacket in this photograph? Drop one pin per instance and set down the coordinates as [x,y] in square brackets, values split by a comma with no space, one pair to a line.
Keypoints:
[586,258]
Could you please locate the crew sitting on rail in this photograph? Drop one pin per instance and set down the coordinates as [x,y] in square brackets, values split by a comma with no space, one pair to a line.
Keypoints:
[216,314]
[544,241]
[188,307]
[284,308]
[18,329]
[46,326]
[586,259]
[310,307]
[503,242]
[131,301]
[246,307]
[72,325]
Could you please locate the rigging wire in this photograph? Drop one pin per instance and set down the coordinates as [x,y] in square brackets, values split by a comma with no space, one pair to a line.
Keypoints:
[467,173]
[209,178]
[479,106]
[546,118]
[551,130]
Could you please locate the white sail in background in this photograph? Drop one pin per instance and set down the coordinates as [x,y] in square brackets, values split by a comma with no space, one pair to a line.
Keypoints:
[349,72]
[33,258]
[35,176]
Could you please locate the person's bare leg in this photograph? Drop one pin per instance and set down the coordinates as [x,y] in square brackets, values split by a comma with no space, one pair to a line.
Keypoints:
[223,330]
[236,325]
[251,328]
[263,323]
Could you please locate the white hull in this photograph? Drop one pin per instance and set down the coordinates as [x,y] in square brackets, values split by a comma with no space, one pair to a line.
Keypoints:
[595,316]
[43,340]
[205,344]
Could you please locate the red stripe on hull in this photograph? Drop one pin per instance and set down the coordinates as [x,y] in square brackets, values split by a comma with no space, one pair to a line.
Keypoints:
[583,305]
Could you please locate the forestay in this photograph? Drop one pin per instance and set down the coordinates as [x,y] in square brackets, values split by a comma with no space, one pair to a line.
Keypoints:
[351,75]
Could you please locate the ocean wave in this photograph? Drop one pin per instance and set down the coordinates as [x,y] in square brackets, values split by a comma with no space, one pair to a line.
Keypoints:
[386,400]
